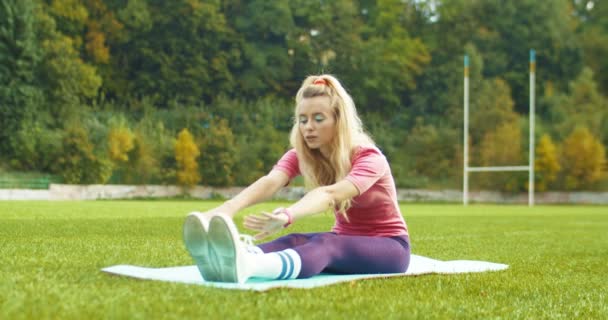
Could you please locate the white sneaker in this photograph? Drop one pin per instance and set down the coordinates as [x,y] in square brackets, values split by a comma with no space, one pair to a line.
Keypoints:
[196,239]
[248,242]
[228,251]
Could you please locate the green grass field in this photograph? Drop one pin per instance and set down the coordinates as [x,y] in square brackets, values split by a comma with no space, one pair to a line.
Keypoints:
[52,252]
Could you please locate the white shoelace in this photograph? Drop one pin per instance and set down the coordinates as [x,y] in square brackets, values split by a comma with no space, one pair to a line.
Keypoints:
[250,247]
[246,239]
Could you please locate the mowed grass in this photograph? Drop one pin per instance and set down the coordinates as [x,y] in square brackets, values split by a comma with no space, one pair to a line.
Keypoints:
[52,252]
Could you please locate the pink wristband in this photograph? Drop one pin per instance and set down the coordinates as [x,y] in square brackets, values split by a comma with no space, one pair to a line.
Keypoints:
[287,213]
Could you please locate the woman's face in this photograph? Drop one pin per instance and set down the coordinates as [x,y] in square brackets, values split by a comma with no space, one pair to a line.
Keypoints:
[316,122]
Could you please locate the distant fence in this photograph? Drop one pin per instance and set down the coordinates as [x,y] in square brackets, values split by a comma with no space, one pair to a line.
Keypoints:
[96,192]
[25,183]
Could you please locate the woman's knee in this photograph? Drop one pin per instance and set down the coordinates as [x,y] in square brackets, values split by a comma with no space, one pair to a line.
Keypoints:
[294,239]
[323,238]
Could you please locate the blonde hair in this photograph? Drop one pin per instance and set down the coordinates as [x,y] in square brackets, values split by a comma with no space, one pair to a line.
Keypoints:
[316,169]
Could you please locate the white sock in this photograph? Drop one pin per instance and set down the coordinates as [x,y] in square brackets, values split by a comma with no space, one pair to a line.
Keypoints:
[284,264]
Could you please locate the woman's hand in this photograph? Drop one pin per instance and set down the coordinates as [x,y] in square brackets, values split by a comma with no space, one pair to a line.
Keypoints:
[266,223]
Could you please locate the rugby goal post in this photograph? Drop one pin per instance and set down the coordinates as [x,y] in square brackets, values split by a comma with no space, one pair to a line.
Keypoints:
[529,167]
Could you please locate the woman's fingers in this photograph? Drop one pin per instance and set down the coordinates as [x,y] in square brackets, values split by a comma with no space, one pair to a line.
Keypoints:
[254,226]
[269,216]
[265,222]
[253,219]
[259,222]
[258,218]
[261,235]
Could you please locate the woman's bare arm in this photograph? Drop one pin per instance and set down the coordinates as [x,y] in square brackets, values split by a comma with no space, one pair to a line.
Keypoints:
[316,201]
[323,198]
[259,191]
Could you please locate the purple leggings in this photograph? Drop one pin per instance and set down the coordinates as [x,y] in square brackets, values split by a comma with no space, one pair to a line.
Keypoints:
[334,253]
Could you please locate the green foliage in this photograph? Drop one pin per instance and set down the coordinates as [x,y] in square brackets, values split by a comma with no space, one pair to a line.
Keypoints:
[265,29]
[70,79]
[491,107]
[432,149]
[260,132]
[169,59]
[167,65]
[583,105]
[258,152]
[218,154]
[77,162]
[502,147]
[36,146]
[389,58]
[20,56]
[583,158]
[593,34]
[527,24]
[186,154]
[152,159]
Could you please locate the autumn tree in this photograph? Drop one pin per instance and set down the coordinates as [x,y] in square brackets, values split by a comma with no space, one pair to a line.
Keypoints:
[152,158]
[546,163]
[186,154]
[582,159]
[120,143]
[69,80]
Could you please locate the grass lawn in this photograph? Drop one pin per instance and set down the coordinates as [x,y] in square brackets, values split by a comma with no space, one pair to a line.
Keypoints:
[51,254]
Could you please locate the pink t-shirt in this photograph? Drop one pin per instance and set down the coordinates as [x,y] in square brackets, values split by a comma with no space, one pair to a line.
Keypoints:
[375,211]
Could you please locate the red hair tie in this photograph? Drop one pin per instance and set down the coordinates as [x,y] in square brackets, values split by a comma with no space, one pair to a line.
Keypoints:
[320,81]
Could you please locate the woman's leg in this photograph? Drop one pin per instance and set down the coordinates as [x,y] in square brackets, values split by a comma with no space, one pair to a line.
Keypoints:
[287,242]
[352,254]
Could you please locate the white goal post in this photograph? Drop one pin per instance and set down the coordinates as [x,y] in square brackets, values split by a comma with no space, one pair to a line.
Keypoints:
[529,167]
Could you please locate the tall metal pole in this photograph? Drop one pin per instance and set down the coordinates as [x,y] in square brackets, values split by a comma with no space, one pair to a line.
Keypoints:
[531,147]
[465,162]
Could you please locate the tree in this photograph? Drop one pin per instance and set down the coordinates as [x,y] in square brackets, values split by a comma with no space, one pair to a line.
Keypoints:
[152,159]
[582,106]
[511,28]
[431,150]
[388,59]
[186,153]
[186,52]
[35,146]
[593,34]
[546,163]
[492,109]
[582,159]
[77,162]
[69,81]
[219,155]
[20,56]
[265,30]
[120,143]
[502,147]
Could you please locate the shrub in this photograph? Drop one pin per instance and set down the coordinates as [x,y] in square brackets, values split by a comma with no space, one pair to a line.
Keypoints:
[186,153]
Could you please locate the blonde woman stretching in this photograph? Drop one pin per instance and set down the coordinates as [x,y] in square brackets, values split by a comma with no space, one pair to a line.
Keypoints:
[343,170]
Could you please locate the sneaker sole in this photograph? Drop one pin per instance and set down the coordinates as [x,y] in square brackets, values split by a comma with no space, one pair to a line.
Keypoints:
[222,241]
[196,239]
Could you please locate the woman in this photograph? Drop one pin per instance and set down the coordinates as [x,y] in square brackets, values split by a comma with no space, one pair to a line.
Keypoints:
[343,170]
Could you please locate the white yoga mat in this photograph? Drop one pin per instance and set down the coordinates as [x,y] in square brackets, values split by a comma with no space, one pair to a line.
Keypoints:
[189,274]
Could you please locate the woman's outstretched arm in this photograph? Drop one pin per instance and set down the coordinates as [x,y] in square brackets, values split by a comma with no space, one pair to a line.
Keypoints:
[323,198]
[316,201]
[259,191]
